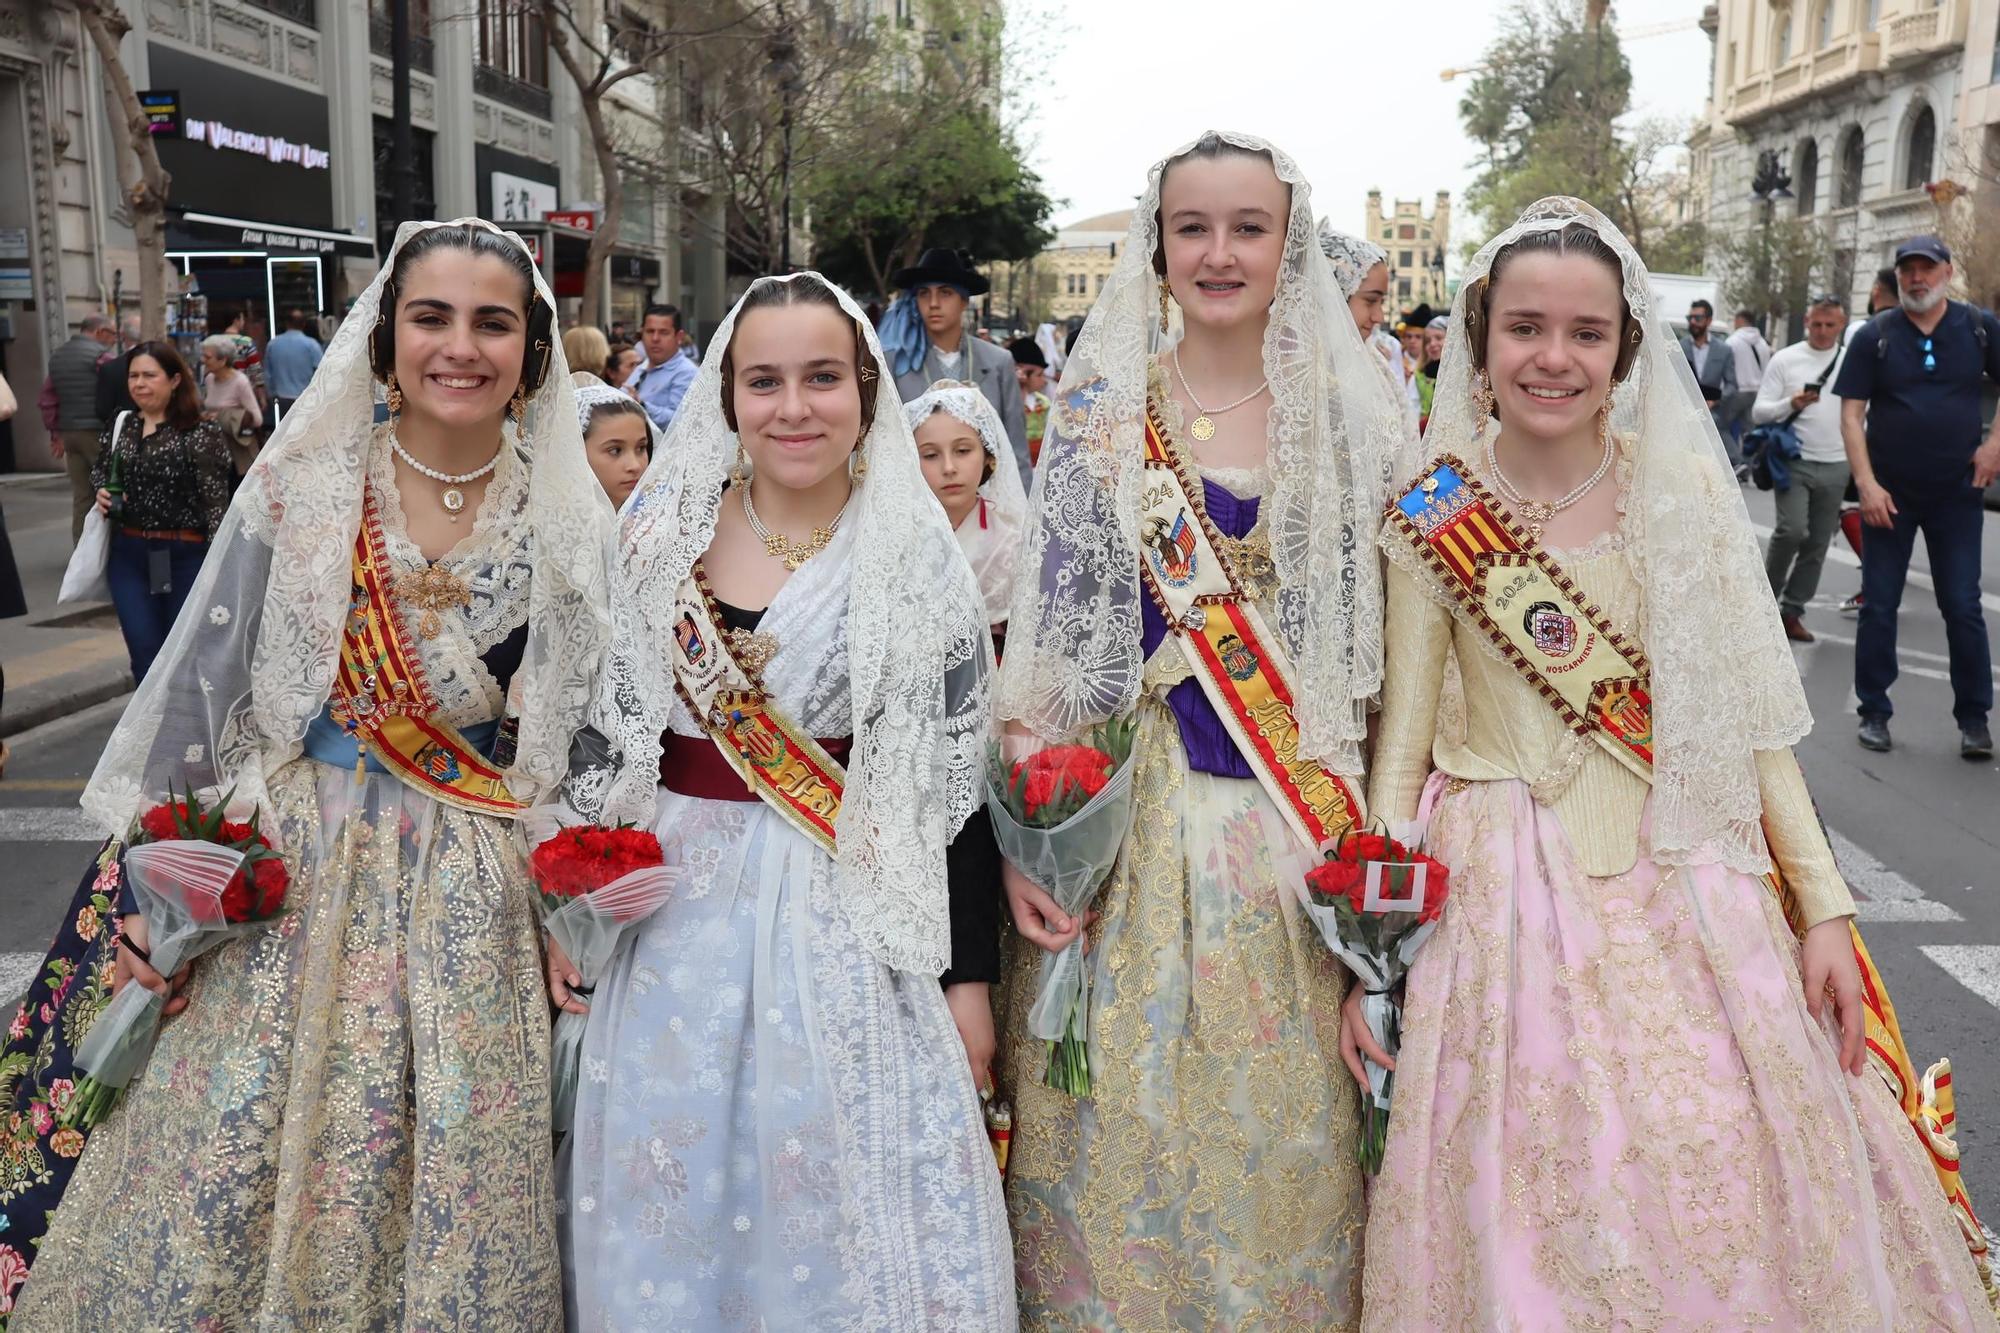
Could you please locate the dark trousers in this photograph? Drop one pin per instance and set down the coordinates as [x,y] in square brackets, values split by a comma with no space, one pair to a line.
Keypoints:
[145,616]
[1951,524]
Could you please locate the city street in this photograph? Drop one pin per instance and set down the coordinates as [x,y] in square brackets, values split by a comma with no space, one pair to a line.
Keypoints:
[1915,831]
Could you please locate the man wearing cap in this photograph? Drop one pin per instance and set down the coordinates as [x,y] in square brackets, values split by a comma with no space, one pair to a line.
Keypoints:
[923,333]
[1031,368]
[1910,419]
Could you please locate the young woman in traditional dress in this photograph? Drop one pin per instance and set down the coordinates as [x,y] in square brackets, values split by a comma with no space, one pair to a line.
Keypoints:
[1208,1180]
[1627,1092]
[777,1126]
[348,1126]
[970,468]
[1362,270]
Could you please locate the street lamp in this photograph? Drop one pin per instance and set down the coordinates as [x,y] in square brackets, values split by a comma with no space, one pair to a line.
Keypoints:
[1768,185]
[783,50]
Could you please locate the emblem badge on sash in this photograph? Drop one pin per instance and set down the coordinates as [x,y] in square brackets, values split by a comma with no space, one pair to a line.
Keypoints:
[689,639]
[1553,632]
[1171,548]
[1237,659]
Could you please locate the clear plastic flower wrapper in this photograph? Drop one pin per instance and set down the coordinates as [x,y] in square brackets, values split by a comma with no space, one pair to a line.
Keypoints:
[596,884]
[199,879]
[1060,816]
[1375,902]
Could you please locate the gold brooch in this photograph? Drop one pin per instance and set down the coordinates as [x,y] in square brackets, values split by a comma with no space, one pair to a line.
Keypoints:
[431,590]
[1249,557]
[752,651]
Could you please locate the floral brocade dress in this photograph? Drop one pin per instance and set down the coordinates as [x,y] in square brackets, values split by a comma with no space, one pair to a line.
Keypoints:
[1209,1181]
[1613,1109]
[348,1127]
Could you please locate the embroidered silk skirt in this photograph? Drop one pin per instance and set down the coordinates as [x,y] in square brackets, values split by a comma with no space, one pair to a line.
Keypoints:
[774,1131]
[1209,1181]
[348,1128]
[1613,1110]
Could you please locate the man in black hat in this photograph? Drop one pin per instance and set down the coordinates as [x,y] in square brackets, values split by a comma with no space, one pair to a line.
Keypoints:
[1911,421]
[924,335]
[1031,368]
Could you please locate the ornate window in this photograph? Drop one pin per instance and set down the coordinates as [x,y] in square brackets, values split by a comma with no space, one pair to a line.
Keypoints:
[1922,148]
[1853,157]
[1824,34]
[1806,178]
[1783,42]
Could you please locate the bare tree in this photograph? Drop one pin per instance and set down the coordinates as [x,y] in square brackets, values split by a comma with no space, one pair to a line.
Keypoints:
[599,54]
[141,177]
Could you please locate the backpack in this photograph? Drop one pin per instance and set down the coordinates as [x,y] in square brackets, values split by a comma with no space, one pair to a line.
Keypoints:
[1979,318]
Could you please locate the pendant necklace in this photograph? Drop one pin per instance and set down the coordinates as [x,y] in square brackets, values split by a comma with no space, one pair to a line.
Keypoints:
[1203,427]
[453,498]
[784,548]
[1537,513]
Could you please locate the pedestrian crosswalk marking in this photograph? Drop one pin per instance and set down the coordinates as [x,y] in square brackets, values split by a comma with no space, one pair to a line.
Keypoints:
[1881,893]
[1973,966]
[1840,555]
[46,823]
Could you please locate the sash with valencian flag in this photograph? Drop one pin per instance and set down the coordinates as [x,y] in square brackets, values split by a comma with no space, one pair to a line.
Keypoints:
[788,769]
[382,699]
[1241,667]
[1597,681]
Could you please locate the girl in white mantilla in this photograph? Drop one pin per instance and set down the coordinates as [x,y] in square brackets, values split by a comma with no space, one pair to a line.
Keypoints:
[348,1127]
[777,1125]
[971,470]
[1209,1179]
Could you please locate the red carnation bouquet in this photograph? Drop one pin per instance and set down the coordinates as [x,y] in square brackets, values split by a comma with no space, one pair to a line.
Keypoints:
[596,884]
[1060,816]
[1375,902]
[198,878]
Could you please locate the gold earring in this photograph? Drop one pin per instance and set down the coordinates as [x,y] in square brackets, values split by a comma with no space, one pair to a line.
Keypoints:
[1163,306]
[395,397]
[739,474]
[1482,404]
[517,406]
[1604,423]
[858,466]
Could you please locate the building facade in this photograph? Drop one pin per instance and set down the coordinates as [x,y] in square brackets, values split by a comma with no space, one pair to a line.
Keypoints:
[279,145]
[1416,245]
[1862,102]
[1063,282]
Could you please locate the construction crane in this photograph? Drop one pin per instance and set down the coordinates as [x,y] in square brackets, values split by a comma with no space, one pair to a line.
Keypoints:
[1625,35]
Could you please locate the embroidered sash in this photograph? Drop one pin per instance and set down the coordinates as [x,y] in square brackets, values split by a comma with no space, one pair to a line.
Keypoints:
[1239,662]
[1598,682]
[382,699]
[790,770]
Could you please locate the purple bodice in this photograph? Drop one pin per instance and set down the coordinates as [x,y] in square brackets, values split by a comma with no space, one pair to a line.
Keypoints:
[1204,738]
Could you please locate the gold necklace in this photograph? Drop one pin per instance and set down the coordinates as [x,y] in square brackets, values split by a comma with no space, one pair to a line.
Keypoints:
[784,548]
[1202,428]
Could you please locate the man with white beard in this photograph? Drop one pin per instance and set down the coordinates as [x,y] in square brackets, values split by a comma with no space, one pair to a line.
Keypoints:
[1910,419]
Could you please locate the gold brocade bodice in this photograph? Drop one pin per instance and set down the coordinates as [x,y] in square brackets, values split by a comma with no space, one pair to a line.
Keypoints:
[1511,733]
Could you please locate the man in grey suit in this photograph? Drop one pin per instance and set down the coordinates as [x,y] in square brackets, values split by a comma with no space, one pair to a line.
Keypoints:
[1714,364]
[924,335]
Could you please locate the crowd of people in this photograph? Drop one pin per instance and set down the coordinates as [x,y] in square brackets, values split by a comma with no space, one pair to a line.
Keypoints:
[801,603]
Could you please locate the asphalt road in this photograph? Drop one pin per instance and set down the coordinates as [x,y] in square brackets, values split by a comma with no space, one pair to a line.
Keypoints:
[1917,832]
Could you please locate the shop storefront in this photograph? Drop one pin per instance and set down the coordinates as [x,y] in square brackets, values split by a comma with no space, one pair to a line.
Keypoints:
[251,228]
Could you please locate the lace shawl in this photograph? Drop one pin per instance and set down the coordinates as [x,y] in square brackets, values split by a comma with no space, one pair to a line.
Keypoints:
[918,662]
[1724,684]
[252,658]
[1073,636]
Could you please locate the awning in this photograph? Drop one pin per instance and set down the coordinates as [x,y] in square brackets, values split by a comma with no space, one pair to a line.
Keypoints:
[240,233]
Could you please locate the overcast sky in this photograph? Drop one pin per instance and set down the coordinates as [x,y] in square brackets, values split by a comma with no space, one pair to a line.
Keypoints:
[1348,87]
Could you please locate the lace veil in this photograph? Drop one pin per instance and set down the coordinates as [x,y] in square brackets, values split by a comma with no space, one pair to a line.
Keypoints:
[252,658]
[918,660]
[1350,256]
[591,392]
[1073,640]
[1724,682]
[1003,489]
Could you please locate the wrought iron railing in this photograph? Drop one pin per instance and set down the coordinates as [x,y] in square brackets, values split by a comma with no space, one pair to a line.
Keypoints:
[422,52]
[298,11]
[517,93]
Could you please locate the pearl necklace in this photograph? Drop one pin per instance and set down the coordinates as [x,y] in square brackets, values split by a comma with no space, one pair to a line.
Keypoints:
[453,498]
[1537,513]
[784,548]
[1202,428]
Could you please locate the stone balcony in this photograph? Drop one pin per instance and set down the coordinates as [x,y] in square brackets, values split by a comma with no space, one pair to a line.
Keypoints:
[1908,38]
[1808,74]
